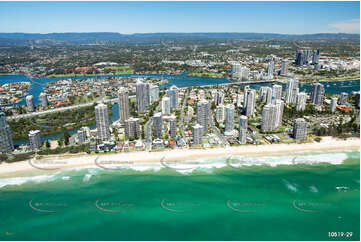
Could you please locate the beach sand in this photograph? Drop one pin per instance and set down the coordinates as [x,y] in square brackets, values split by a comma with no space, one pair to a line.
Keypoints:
[65,161]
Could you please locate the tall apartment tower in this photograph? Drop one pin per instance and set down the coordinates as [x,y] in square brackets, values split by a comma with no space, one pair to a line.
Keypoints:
[245,89]
[197,134]
[276,93]
[344,98]
[203,114]
[250,102]
[243,125]
[291,91]
[279,113]
[142,96]
[236,71]
[229,124]
[166,105]
[316,57]
[6,140]
[173,126]
[317,94]
[154,93]
[333,104]
[268,117]
[43,99]
[102,121]
[35,139]
[157,125]
[301,101]
[123,99]
[299,129]
[266,95]
[82,135]
[284,68]
[132,128]
[270,69]
[173,96]
[219,98]
[30,103]
[220,112]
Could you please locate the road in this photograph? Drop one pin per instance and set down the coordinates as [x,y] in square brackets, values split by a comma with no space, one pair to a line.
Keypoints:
[62,109]
[148,128]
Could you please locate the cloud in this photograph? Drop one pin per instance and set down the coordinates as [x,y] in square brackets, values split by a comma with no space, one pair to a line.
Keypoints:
[346,26]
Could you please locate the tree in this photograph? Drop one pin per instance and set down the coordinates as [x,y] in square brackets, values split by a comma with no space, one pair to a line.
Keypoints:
[47,144]
[66,138]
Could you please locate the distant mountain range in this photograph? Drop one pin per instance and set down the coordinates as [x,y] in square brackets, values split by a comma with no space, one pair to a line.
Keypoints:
[86,38]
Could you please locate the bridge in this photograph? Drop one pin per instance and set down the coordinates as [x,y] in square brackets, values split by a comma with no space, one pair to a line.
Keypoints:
[247,82]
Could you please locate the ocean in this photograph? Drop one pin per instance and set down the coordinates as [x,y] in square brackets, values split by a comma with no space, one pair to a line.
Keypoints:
[300,196]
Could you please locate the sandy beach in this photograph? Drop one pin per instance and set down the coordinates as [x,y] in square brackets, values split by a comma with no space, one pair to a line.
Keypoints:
[55,162]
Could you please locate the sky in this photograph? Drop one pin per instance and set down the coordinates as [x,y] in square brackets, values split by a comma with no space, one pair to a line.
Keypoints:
[155,17]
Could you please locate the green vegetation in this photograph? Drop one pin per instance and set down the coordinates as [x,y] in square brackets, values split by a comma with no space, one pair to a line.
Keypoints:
[53,123]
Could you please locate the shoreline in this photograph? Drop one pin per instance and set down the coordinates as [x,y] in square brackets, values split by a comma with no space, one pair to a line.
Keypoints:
[60,162]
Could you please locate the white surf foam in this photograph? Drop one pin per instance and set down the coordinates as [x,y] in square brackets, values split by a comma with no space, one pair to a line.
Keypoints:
[13,181]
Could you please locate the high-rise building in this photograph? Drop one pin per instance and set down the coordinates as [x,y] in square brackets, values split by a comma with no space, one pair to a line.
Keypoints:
[266,95]
[236,71]
[279,113]
[154,93]
[43,99]
[303,57]
[34,139]
[284,68]
[219,98]
[123,100]
[173,96]
[333,104]
[197,134]
[203,114]
[276,93]
[6,140]
[220,110]
[238,100]
[173,126]
[316,57]
[82,135]
[30,103]
[270,69]
[142,96]
[357,99]
[245,96]
[166,105]
[301,101]
[157,125]
[268,117]
[299,129]
[229,124]
[250,102]
[132,128]
[344,98]
[243,125]
[317,94]
[102,121]
[291,91]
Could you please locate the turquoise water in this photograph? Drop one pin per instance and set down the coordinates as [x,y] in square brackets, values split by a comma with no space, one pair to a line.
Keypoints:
[264,202]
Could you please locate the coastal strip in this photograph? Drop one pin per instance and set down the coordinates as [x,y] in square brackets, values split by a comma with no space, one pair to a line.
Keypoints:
[82,160]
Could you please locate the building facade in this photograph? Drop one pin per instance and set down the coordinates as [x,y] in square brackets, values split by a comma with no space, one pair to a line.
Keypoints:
[102,121]
[6,140]
[123,100]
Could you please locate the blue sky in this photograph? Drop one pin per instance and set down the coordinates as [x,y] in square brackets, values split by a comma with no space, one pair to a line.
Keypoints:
[150,17]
